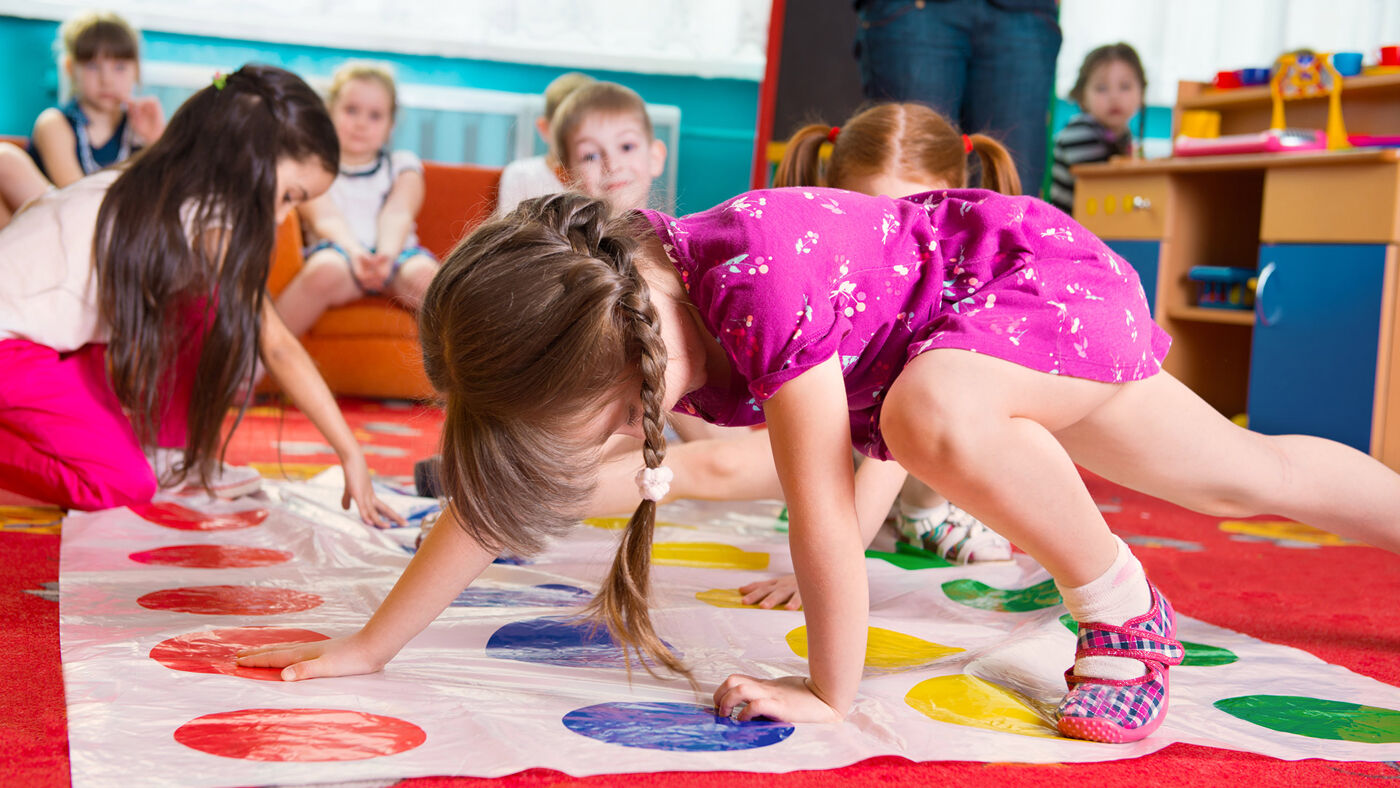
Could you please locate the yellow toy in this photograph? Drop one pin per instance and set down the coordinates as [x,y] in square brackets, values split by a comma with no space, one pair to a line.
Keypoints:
[1305,76]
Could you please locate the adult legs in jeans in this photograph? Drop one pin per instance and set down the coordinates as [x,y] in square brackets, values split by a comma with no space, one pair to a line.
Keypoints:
[988,70]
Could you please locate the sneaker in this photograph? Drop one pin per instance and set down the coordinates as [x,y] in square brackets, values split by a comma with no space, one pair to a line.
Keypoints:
[231,481]
[1123,710]
[954,535]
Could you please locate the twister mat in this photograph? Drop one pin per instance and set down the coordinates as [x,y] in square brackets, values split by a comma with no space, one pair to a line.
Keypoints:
[963,663]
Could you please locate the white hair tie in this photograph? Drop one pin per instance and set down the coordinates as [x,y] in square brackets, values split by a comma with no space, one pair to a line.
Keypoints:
[654,483]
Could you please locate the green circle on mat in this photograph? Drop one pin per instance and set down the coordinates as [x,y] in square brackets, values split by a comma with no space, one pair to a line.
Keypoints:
[1198,655]
[907,556]
[1316,718]
[1017,600]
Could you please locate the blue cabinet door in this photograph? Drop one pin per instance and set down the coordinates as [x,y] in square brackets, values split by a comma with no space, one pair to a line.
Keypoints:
[1143,255]
[1316,332]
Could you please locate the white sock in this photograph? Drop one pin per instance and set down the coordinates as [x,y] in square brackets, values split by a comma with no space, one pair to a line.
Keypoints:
[1117,595]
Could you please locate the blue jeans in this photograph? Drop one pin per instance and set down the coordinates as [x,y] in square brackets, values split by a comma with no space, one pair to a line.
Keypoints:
[986,69]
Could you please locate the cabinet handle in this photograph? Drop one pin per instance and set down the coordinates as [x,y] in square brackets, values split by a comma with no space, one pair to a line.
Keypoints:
[1261,313]
[1141,203]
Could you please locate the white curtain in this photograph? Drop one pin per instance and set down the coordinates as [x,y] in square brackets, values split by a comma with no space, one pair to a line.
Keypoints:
[1193,39]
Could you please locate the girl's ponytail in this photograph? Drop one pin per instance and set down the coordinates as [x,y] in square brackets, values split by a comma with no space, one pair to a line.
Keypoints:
[998,169]
[801,163]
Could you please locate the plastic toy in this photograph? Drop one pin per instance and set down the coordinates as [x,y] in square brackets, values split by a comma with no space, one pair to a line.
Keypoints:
[1221,287]
[1306,76]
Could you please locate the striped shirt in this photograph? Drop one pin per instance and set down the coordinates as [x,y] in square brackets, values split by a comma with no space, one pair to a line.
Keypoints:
[1082,141]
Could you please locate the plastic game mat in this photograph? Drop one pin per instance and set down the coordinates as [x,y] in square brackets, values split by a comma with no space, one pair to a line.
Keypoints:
[963,663]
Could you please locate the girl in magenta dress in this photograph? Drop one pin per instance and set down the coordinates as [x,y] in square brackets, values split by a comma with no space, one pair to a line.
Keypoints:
[985,343]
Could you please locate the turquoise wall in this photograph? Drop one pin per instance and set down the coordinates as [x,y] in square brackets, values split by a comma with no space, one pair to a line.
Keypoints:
[718,116]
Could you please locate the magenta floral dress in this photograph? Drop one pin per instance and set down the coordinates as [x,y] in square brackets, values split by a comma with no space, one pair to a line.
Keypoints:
[787,278]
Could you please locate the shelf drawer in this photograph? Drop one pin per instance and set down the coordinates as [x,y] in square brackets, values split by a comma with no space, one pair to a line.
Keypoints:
[1340,204]
[1132,207]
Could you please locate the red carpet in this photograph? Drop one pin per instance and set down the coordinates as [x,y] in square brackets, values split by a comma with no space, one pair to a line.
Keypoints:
[1337,602]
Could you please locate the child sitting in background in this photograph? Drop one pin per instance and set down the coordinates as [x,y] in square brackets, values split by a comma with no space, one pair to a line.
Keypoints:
[361,233]
[539,175]
[101,125]
[135,302]
[1109,92]
[603,137]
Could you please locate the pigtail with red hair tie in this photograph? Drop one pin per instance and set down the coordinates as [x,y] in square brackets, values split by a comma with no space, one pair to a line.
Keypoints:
[831,135]
[967,144]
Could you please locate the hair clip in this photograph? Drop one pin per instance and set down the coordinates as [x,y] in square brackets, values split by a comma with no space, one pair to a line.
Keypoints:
[220,79]
[831,135]
[654,483]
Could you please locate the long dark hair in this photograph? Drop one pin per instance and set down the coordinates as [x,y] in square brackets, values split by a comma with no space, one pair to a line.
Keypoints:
[532,322]
[184,242]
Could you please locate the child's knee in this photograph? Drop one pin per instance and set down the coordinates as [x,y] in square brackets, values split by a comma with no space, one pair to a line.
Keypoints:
[107,488]
[330,278]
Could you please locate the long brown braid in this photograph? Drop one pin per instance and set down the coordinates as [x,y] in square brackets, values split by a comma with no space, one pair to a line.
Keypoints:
[529,327]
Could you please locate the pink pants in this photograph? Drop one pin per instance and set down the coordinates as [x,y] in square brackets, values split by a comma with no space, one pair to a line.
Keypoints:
[63,435]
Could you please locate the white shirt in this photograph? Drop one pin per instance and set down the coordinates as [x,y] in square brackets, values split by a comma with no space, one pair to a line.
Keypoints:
[48,290]
[360,192]
[523,179]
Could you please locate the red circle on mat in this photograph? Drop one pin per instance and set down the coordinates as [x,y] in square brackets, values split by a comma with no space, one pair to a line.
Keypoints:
[173,515]
[299,735]
[230,600]
[211,556]
[212,650]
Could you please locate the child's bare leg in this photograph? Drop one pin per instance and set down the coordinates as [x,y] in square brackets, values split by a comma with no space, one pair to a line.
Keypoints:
[412,281]
[1158,436]
[323,282]
[713,470]
[981,431]
[917,495]
[20,181]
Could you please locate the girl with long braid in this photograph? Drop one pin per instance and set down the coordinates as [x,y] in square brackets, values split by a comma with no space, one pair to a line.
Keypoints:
[986,343]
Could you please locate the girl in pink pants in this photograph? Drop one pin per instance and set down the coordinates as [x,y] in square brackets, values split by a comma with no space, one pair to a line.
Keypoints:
[135,302]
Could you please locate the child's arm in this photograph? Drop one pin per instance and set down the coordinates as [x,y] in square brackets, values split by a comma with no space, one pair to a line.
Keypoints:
[809,424]
[447,562]
[146,117]
[57,146]
[326,222]
[289,364]
[878,483]
[398,214]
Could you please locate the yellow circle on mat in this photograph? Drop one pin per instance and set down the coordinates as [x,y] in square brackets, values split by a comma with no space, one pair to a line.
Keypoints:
[885,649]
[1284,529]
[619,523]
[707,555]
[726,597]
[968,700]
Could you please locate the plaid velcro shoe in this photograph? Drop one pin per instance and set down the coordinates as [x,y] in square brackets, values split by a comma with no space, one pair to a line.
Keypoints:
[1123,710]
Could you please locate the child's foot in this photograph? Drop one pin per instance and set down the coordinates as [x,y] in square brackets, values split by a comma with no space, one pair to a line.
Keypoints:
[951,533]
[1123,710]
[229,481]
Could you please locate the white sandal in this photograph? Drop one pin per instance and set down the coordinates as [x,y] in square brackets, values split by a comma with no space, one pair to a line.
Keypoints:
[954,535]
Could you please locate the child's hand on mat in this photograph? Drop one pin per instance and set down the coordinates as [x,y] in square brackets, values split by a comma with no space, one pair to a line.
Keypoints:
[787,699]
[359,489]
[769,594]
[335,657]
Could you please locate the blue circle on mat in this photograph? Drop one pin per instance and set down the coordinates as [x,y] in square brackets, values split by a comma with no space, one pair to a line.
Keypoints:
[548,595]
[567,642]
[672,726]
